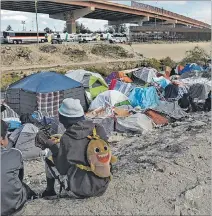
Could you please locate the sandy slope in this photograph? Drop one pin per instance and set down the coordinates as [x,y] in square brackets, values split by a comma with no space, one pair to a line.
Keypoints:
[40,60]
[165,172]
[175,51]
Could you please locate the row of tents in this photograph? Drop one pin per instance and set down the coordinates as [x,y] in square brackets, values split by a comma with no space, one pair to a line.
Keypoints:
[133,101]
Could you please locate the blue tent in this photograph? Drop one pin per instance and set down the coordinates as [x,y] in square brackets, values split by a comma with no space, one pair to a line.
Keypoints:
[191,67]
[45,82]
[43,91]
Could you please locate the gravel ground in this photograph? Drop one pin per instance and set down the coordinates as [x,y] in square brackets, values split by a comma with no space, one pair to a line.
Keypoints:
[165,172]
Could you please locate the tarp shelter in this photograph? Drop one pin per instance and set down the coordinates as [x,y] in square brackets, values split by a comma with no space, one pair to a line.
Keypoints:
[171,109]
[23,139]
[144,97]
[191,67]
[119,76]
[93,83]
[145,74]
[110,98]
[137,123]
[43,91]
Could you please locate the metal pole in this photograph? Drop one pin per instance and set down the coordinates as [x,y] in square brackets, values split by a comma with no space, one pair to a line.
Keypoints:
[162,14]
[36,11]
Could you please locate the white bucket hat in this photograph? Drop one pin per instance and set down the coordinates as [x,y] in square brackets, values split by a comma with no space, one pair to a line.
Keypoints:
[71,108]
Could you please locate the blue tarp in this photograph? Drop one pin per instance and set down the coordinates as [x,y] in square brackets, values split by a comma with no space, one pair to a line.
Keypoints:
[45,82]
[191,67]
[144,97]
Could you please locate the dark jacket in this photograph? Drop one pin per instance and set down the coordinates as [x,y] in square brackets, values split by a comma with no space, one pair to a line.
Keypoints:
[13,193]
[72,151]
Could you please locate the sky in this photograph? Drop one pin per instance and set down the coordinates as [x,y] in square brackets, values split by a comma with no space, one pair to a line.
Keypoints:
[200,10]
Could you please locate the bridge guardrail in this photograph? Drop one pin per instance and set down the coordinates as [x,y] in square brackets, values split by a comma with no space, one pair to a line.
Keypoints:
[149,8]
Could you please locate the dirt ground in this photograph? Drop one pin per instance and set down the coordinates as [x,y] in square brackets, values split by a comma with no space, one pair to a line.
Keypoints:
[164,172]
[175,51]
[32,57]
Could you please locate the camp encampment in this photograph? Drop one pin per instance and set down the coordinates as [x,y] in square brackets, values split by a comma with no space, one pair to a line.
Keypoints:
[43,91]
[93,83]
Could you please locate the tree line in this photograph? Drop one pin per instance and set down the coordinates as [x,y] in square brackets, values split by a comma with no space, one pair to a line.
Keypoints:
[81,29]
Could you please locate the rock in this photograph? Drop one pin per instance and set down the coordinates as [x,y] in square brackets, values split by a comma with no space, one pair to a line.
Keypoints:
[195,193]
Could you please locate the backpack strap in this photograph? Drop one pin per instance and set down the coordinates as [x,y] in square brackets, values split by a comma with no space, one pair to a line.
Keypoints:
[94,136]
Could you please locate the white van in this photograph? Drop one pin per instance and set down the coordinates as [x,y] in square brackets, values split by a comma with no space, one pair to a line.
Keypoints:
[118,38]
[85,38]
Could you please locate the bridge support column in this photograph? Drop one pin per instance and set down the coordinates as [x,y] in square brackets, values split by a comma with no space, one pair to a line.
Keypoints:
[71,16]
[71,26]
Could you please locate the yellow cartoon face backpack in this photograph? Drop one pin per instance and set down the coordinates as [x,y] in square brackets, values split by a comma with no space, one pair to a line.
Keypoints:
[99,156]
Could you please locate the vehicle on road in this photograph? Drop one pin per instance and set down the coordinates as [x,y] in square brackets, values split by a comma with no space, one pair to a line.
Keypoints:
[85,38]
[118,38]
[18,37]
[56,39]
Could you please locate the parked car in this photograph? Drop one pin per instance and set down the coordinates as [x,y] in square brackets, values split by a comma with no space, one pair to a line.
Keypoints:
[57,39]
[85,38]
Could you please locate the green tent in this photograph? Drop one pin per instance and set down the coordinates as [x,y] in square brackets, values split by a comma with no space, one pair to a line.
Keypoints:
[96,86]
[93,83]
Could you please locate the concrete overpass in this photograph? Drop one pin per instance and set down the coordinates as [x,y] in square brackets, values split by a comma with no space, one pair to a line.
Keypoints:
[70,11]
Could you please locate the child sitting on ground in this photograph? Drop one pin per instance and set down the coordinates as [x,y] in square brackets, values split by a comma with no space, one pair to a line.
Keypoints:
[14,193]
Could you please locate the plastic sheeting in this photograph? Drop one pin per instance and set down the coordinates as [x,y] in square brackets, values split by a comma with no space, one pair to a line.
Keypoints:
[163,82]
[171,109]
[198,91]
[145,74]
[190,68]
[124,88]
[144,97]
[134,123]
[9,113]
[108,99]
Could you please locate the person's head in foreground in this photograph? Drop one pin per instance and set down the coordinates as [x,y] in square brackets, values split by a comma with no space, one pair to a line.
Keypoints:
[70,112]
[4,139]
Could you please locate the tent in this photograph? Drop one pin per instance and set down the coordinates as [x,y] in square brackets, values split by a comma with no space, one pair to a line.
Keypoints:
[122,75]
[93,83]
[190,68]
[144,97]
[109,98]
[145,74]
[43,91]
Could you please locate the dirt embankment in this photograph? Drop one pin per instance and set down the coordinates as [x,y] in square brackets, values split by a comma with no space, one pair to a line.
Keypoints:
[33,55]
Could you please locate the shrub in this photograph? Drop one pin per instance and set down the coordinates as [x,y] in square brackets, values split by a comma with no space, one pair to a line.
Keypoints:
[110,51]
[168,62]
[48,48]
[196,55]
